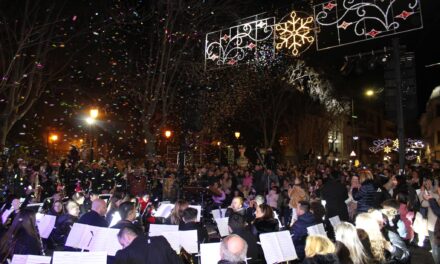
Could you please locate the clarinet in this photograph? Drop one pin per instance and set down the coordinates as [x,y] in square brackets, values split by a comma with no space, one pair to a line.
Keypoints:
[43,253]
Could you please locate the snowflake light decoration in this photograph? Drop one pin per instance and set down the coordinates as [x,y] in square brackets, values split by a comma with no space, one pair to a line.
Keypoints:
[295,34]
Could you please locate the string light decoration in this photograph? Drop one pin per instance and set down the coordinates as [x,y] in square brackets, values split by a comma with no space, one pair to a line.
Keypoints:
[295,34]
[413,147]
[340,22]
[244,43]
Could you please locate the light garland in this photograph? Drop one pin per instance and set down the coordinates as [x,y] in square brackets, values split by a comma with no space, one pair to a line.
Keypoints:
[389,145]
[350,21]
[295,34]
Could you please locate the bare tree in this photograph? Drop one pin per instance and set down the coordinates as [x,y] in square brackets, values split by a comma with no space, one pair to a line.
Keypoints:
[28,35]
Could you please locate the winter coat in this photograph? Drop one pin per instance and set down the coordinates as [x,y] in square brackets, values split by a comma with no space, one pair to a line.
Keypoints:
[94,219]
[62,228]
[335,194]
[322,259]
[299,232]
[365,196]
[261,226]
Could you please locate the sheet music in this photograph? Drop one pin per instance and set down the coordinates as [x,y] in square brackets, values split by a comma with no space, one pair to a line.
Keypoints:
[45,224]
[30,259]
[6,214]
[158,230]
[189,241]
[94,238]
[286,245]
[222,224]
[334,221]
[272,251]
[219,213]
[66,257]
[164,210]
[210,253]
[173,239]
[277,218]
[199,211]
[278,247]
[105,239]
[317,230]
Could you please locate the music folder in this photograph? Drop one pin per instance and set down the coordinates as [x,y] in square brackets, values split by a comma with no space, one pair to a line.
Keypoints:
[210,253]
[185,239]
[68,257]
[316,230]
[278,247]
[93,238]
[164,210]
[30,259]
[45,224]
[222,224]
[219,213]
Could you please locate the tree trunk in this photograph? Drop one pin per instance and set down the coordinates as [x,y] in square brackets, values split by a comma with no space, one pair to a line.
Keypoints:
[3,134]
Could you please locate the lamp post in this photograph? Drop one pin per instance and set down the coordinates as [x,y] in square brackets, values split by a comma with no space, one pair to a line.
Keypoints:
[91,120]
[53,138]
[167,135]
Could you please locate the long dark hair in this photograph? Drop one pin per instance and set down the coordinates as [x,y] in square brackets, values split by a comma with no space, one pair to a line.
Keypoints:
[24,222]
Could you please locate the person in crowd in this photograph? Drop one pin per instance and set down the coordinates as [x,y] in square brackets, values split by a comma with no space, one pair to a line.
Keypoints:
[56,209]
[22,237]
[96,216]
[237,225]
[139,249]
[247,180]
[296,193]
[365,195]
[63,225]
[426,219]
[233,250]
[343,253]
[189,222]
[176,214]
[382,250]
[335,194]
[346,233]
[8,211]
[112,210]
[88,200]
[299,228]
[79,198]
[433,204]
[272,197]
[320,250]
[127,211]
[264,220]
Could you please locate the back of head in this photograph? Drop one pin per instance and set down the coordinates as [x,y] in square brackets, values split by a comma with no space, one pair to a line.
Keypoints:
[233,249]
[259,199]
[236,222]
[267,211]
[128,230]
[319,245]
[125,208]
[189,215]
[71,207]
[347,234]
[365,175]
[304,206]
[99,206]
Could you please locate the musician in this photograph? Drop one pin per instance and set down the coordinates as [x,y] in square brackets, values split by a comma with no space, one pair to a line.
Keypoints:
[63,225]
[233,250]
[237,225]
[96,216]
[143,250]
[127,211]
[265,221]
[176,214]
[189,222]
[22,237]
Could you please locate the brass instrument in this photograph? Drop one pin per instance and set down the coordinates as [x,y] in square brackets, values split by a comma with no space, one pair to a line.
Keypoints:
[186,257]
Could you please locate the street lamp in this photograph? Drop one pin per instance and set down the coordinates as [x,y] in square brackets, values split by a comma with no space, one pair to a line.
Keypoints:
[372,92]
[53,137]
[91,120]
[237,135]
[94,113]
[168,134]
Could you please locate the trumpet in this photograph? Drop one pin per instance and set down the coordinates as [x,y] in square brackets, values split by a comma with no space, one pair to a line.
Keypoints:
[186,257]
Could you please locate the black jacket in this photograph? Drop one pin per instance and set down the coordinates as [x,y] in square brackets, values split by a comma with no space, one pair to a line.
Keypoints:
[254,250]
[147,250]
[62,228]
[261,226]
[94,219]
[322,259]
[299,232]
[25,245]
[202,233]
[365,196]
[335,194]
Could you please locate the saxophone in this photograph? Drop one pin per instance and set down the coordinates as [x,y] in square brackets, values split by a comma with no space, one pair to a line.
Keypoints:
[186,257]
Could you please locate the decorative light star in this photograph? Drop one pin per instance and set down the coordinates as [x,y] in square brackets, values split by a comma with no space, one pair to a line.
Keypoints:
[295,34]
[396,143]
[387,149]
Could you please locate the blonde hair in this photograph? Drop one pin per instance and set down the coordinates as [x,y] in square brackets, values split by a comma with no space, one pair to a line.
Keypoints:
[347,234]
[318,245]
[365,175]
[368,222]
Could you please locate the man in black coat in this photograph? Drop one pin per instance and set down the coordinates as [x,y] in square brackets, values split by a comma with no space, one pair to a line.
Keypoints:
[237,226]
[335,194]
[96,216]
[144,250]
[189,218]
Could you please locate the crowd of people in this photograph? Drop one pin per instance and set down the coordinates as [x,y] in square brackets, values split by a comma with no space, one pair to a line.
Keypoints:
[383,213]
